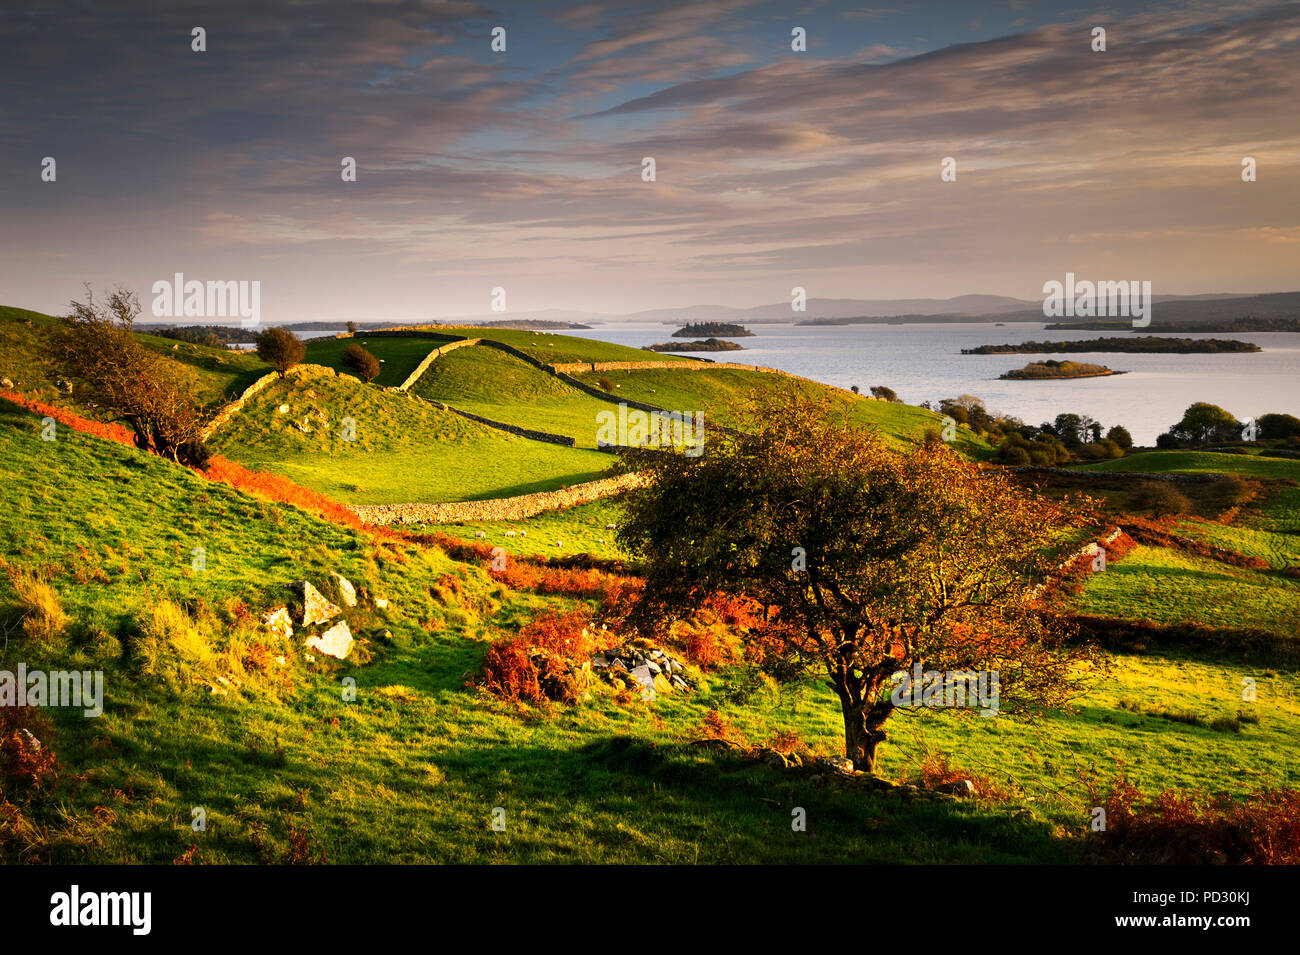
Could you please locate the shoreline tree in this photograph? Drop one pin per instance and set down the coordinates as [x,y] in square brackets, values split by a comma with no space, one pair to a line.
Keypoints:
[866,561]
[281,349]
[150,392]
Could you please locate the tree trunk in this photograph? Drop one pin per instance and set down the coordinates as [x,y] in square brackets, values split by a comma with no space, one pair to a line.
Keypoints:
[863,719]
[862,734]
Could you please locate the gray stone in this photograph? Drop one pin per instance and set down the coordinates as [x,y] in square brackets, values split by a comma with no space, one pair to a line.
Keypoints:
[315,608]
[334,642]
[346,590]
[643,676]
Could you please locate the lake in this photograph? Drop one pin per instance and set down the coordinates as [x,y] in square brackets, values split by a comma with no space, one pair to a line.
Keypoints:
[924,362]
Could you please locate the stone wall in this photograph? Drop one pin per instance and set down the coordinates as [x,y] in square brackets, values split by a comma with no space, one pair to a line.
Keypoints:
[423,366]
[500,509]
[222,417]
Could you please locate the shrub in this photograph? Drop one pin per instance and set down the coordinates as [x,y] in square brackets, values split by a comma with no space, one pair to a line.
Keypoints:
[936,770]
[605,384]
[882,391]
[42,611]
[1278,427]
[1119,434]
[1159,499]
[151,393]
[169,640]
[1181,827]
[1228,491]
[281,349]
[1014,456]
[715,726]
[357,359]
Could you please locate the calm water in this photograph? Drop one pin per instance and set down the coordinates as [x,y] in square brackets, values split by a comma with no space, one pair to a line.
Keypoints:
[924,362]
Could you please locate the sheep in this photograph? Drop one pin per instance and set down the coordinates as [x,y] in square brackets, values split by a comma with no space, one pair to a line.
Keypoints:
[510,533]
[480,534]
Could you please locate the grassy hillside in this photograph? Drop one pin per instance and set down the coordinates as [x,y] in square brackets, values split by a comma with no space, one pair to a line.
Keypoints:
[723,394]
[500,386]
[1201,462]
[26,357]
[403,450]
[412,769]
[558,347]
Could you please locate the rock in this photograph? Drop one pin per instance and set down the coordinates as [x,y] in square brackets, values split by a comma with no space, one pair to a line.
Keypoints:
[381,603]
[654,668]
[643,676]
[609,527]
[600,540]
[315,608]
[32,742]
[958,787]
[346,590]
[661,684]
[64,385]
[6,383]
[283,409]
[774,760]
[840,764]
[279,623]
[678,683]
[334,642]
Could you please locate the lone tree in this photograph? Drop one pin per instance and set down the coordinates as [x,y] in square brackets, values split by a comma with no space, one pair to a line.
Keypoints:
[865,560]
[357,359]
[151,393]
[281,349]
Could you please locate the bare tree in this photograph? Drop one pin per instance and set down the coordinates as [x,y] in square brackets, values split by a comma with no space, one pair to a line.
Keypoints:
[149,392]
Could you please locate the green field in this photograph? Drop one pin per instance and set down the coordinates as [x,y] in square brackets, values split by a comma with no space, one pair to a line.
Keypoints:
[500,386]
[403,450]
[412,769]
[398,356]
[724,395]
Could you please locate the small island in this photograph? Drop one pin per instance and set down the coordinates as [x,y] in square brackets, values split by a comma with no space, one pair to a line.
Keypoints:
[723,329]
[1153,344]
[1037,370]
[710,344]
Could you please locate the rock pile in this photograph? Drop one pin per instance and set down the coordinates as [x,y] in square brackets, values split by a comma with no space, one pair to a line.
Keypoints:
[646,668]
[336,640]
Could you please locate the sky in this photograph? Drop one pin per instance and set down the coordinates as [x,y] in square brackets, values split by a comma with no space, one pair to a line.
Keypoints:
[523,169]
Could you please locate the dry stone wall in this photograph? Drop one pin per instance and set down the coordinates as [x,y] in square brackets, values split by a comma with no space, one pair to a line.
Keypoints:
[500,509]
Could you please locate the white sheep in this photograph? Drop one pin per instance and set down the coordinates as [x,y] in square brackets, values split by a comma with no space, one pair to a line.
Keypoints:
[480,534]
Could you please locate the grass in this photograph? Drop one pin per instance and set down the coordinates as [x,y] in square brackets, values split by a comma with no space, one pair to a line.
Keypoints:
[403,450]
[26,358]
[1201,462]
[98,544]
[499,386]
[558,348]
[398,356]
[1155,583]
[724,394]
[580,529]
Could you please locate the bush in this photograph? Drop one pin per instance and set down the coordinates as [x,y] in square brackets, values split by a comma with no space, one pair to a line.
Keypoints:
[357,359]
[1015,456]
[281,349]
[1195,828]
[1229,491]
[149,392]
[1278,427]
[1159,499]
[42,611]
[605,384]
[880,391]
[1120,436]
